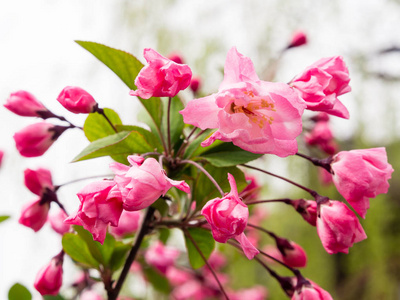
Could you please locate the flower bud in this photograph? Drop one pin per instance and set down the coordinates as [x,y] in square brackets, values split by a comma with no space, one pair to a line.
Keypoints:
[34,214]
[24,104]
[307,209]
[299,38]
[49,278]
[176,57]
[77,100]
[1,156]
[294,256]
[57,222]
[195,84]
[35,139]
[37,181]
[310,291]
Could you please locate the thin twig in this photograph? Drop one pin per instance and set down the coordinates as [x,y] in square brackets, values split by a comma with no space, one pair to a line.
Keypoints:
[187,161]
[206,262]
[185,142]
[81,179]
[284,200]
[101,111]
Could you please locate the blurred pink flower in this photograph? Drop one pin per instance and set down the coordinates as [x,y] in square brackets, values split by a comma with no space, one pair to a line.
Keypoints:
[77,100]
[299,38]
[255,115]
[361,174]
[311,291]
[57,222]
[338,227]
[49,278]
[321,83]
[24,104]
[37,181]
[161,77]
[34,214]
[227,217]
[143,182]
[128,223]
[161,257]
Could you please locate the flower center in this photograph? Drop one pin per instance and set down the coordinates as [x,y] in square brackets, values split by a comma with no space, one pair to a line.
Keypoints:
[256,109]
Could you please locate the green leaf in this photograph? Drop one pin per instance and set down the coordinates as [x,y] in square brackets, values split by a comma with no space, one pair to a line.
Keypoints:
[194,149]
[19,292]
[227,154]
[3,218]
[164,234]
[204,241]
[102,253]
[151,139]
[124,142]
[118,256]
[158,281]
[205,190]
[78,250]
[162,206]
[126,67]
[97,127]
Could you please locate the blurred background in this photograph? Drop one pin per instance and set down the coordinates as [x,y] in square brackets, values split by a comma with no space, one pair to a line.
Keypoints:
[38,54]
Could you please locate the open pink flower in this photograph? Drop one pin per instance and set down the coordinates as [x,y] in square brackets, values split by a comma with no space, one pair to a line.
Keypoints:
[321,83]
[255,115]
[77,100]
[34,214]
[35,139]
[101,205]
[162,77]
[228,217]
[361,174]
[37,181]
[143,183]
[24,104]
[338,227]
[161,257]
[49,278]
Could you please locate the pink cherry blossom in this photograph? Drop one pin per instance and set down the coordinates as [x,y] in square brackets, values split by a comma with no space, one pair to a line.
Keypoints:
[57,222]
[177,276]
[299,38]
[311,291]
[128,223]
[90,295]
[161,77]
[77,100]
[24,104]
[296,257]
[35,139]
[161,257]
[321,83]
[49,278]
[257,292]
[101,205]
[143,182]
[255,115]
[338,227]
[37,181]
[34,214]
[228,217]
[307,209]
[321,136]
[361,174]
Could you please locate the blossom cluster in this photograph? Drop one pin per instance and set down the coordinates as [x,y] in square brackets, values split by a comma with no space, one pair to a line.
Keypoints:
[255,116]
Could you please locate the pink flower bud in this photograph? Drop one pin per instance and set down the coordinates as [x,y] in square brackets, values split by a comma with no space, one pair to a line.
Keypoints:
[34,214]
[227,217]
[1,156]
[161,257]
[251,191]
[176,57]
[143,183]
[295,257]
[361,174]
[49,278]
[307,209]
[35,139]
[299,38]
[161,77]
[101,205]
[57,222]
[338,227]
[321,83]
[195,84]
[37,181]
[77,100]
[325,176]
[24,104]
[255,293]
[311,291]
[128,223]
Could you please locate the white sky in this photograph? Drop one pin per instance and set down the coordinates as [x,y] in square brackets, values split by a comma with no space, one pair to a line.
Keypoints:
[37,53]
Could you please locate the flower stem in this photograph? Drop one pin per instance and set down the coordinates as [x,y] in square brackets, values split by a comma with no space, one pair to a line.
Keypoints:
[185,142]
[101,111]
[205,173]
[81,179]
[206,262]
[284,200]
[323,163]
[113,293]
[310,191]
